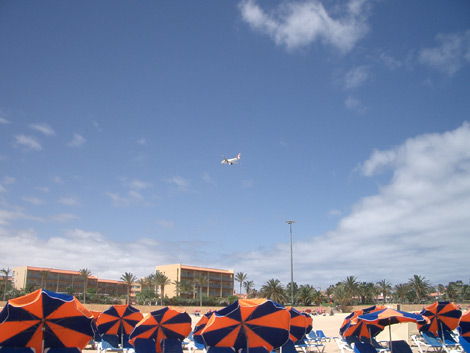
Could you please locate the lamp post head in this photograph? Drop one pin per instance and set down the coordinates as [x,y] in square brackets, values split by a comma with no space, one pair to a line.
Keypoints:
[290,222]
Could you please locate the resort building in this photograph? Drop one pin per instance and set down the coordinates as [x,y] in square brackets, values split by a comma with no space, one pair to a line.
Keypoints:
[219,282]
[63,281]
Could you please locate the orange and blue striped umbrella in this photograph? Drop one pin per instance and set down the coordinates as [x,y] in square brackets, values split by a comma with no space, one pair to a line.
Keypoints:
[118,320]
[248,323]
[442,316]
[162,324]
[347,328]
[388,317]
[298,324]
[200,326]
[309,322]
[464,324]
[44,319]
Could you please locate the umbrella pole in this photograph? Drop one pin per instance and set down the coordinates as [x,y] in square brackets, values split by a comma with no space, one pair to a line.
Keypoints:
[390,337]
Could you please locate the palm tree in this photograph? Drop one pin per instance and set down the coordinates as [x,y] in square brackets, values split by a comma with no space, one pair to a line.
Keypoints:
[248,285]
[129,278]
[351,287]
[44,276]
[401,290]
[240,277]
[6,274]
[85,274]
[200,280]
[420,286]
[274,290]
[385,287]
[161,280]
[306,293]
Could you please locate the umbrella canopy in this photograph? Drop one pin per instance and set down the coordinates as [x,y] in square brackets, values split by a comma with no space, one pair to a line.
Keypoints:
[347,328]
[44,319]
[388,316]
[464,324]
[248,323]
[298,324]
[309,322]
[118,320]
[442,316]
[200,326]
[162,324]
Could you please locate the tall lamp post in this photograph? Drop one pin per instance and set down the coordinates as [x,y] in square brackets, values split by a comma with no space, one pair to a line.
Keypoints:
[291,264]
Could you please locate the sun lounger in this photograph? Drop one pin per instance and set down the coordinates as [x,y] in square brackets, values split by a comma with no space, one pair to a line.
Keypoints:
[145,345]
[343,346]
[111,343]
[450,343]
[432,341]
[465,343]
[321,336]
[194,345]
[363,347]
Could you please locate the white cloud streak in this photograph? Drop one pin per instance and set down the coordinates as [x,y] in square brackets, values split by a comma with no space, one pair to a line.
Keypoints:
[299,24]
[77,140]
[450,55]
[28,143]
[44,128]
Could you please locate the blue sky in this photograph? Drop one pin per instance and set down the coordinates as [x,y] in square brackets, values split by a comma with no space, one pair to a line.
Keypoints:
[352,118]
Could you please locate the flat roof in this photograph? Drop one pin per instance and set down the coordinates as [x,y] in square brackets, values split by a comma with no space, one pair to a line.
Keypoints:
[197,268]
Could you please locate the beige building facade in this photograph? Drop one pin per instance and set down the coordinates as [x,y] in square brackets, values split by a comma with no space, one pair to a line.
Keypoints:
[62,280]
[220,283]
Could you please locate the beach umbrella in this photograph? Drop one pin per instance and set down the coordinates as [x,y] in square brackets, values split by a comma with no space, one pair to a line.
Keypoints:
[44,319]
[442,316]
[298,324]
[162,324]
[200,326]
[357,331]
[464,324]
[309,322]
[248,323]
[388,317]
[118,320]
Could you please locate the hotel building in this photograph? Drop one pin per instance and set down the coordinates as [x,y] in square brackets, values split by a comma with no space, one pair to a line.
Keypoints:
[63,280]
[220,282]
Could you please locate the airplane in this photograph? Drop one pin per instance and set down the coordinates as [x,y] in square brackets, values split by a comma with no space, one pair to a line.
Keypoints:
[231,161]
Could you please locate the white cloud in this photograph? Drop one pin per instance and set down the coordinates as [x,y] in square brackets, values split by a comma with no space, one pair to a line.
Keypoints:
[356,77]
[179,182]
[139,185]
[354,104]
[44,128]
[451,54]
[299,24]
[417,223]
[4,121]
[164,223]
[77,140]
[34,200]
[78,248]
[208,179]
[69,201]
[27,143]
[64,217]
[142,141]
